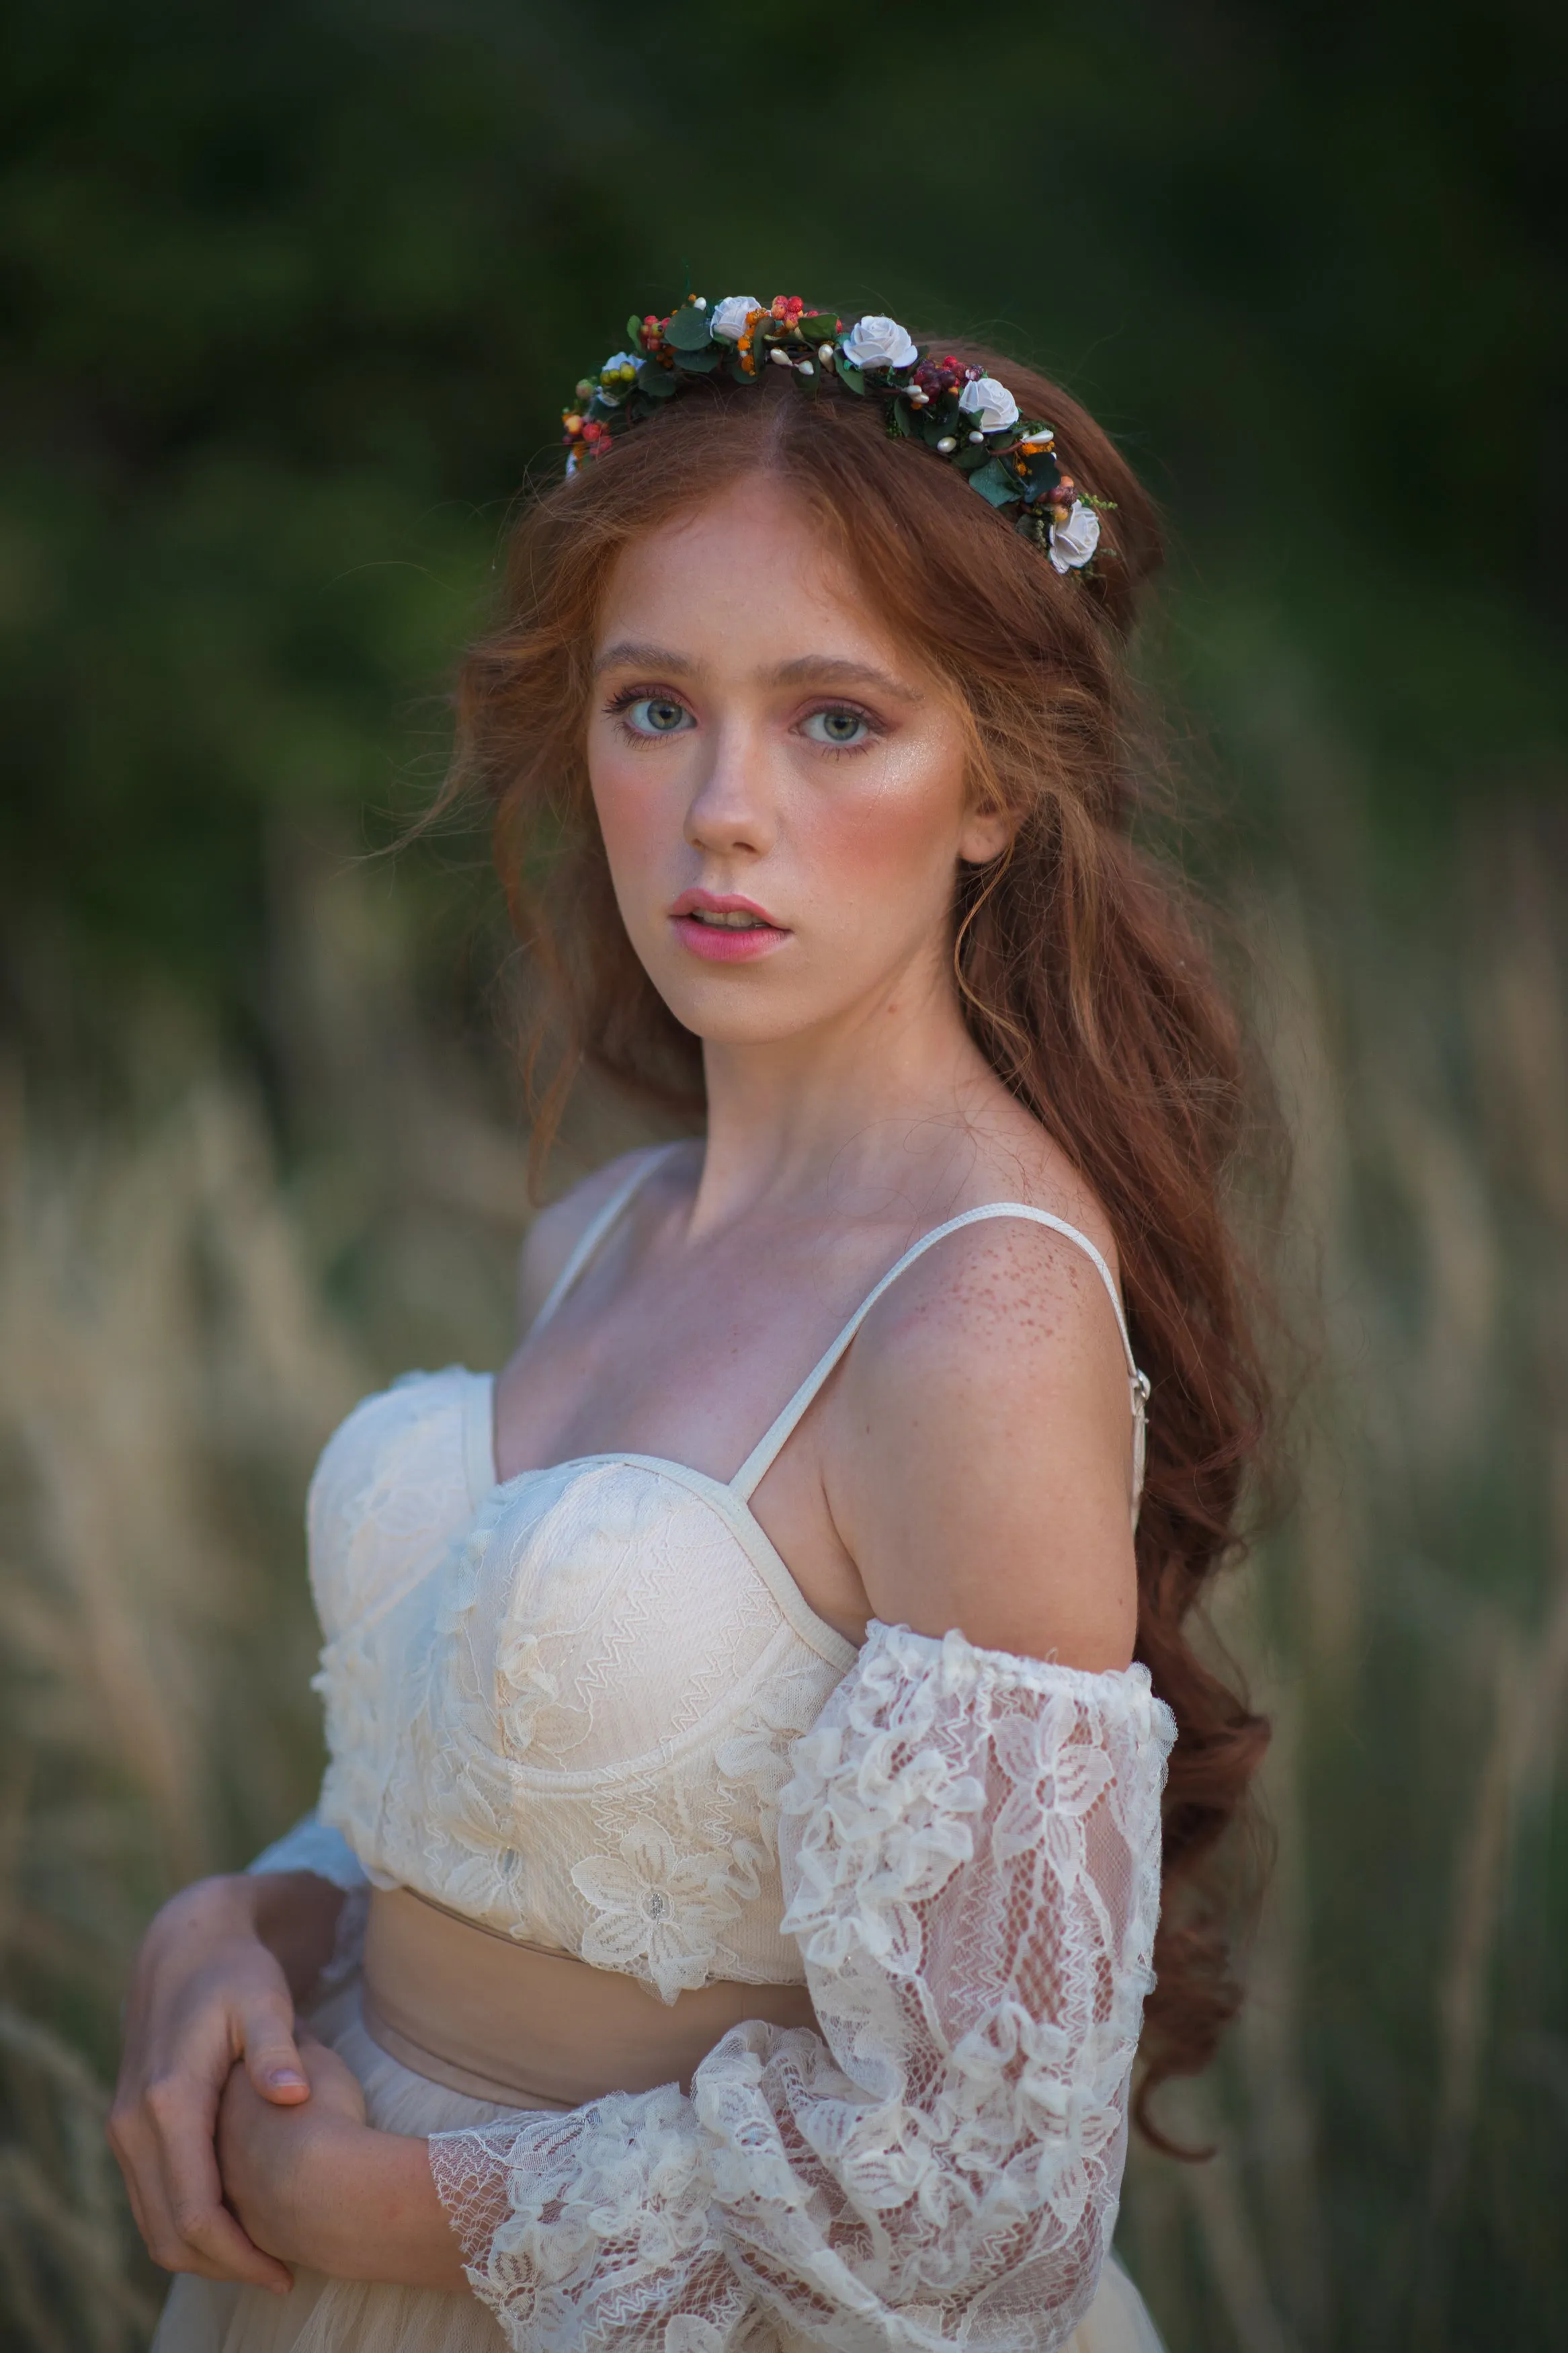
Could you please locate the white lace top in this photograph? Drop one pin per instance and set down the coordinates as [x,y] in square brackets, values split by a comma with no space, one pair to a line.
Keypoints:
[589,1707]
[565,1706]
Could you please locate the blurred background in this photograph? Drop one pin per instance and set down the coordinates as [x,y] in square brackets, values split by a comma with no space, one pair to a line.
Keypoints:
[292,296]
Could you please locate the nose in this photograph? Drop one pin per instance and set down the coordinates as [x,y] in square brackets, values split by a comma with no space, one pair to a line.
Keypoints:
[731,811]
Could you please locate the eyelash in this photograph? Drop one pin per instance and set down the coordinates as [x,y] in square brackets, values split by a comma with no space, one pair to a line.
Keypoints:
[618,704]
[624,699]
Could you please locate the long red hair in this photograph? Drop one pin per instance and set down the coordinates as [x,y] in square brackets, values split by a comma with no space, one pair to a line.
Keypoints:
[1080,968]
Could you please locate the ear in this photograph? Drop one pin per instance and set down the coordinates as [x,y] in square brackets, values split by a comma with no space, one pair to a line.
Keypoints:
[985,834]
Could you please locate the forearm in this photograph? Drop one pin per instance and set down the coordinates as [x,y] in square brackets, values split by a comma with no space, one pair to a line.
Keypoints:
[361,2204]
[292,1914]
[296,1917]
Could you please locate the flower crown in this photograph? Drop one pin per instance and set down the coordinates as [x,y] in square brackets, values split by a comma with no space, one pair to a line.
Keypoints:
[965,417]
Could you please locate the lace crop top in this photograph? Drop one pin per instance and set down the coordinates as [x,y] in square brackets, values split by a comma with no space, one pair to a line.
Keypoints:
[589,1707]
[564,1705]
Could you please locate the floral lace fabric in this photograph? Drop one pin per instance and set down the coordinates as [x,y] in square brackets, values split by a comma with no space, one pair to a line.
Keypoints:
[970,1852]
[562,1705]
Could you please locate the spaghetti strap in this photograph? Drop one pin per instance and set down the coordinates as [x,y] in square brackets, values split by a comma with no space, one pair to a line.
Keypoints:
[594,1233]
[767,1451]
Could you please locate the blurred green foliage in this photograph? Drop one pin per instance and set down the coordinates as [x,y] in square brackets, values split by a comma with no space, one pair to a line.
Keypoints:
[294,293]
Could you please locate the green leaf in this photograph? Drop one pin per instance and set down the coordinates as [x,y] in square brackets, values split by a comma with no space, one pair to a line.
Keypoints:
[656,381]
[969,461]
[852,379]
[700,363]
[818,327]
[898,426]
[634,333]
[689,330]
[995,484]
[1042,470]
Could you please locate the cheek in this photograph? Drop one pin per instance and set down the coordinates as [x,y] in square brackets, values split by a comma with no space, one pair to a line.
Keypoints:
[898,825]
[638,814]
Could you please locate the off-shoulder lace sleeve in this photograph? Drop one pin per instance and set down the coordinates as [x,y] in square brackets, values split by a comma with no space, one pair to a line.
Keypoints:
[970,1848]
[312,1846]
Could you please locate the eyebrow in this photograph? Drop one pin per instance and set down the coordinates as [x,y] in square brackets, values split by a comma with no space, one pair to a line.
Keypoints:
[828,668]
[627,653]
[833,672]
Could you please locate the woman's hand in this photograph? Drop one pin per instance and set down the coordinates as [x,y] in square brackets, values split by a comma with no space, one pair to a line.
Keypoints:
[316,2184]
[273,2157]
[214,1983]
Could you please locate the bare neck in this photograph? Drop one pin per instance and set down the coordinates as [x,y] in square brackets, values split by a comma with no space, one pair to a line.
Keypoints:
[877,1107]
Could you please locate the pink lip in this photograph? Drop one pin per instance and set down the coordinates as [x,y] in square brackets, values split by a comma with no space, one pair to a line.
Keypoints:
[716,946]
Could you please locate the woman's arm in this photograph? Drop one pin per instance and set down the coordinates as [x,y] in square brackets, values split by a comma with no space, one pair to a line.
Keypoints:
[978,1461]
[319,2186]
[971,1849]
[222,1965]
[216,1983]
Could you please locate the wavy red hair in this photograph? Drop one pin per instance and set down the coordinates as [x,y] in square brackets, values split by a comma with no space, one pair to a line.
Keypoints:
[1082,972]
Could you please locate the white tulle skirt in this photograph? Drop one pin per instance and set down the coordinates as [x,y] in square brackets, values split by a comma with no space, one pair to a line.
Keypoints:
[329,2315]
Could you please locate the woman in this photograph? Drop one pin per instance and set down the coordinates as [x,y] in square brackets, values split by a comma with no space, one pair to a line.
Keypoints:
[761,1809]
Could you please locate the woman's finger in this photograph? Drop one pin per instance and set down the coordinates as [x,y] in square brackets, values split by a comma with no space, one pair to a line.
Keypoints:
[271,2055]
[133,2153]
[212,2243]
[194,2229]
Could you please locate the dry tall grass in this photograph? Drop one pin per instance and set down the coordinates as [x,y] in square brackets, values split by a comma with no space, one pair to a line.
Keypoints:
[183,1322]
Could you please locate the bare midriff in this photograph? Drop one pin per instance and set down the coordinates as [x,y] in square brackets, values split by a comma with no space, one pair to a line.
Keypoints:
[528,2027]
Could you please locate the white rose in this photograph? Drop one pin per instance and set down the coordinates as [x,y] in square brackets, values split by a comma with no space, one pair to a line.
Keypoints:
[1075,540]
[730,315]
[880,343]
[990,404]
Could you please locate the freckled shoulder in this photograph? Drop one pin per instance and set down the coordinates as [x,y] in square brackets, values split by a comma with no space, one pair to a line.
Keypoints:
[1005,1303]
[979,1460]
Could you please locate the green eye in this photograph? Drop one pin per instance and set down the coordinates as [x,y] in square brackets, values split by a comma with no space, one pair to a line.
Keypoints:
[654,715]
[839,728]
